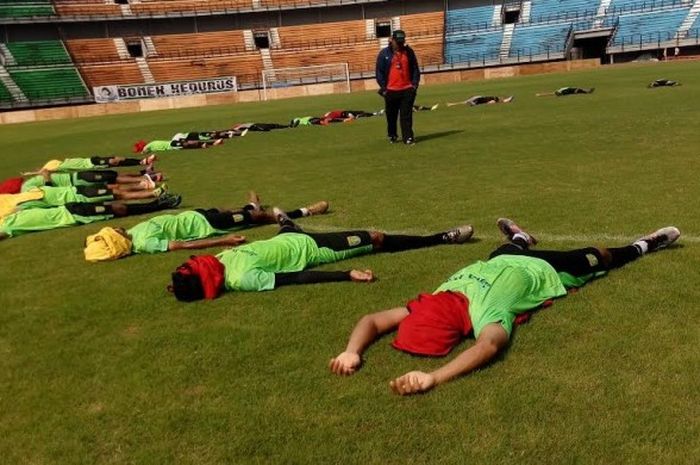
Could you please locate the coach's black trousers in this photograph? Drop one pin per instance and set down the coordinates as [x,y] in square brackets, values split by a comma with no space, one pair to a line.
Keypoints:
[400,104]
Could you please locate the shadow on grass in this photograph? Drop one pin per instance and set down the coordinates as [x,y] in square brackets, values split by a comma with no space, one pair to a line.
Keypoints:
[438,135]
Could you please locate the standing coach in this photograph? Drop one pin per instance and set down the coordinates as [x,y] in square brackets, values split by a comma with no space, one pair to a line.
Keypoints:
[398,77]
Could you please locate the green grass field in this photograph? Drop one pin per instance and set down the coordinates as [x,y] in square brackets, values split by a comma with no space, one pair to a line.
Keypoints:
[99,364]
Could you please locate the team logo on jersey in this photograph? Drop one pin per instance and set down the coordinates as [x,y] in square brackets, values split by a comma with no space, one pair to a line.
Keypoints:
[238,218]
[354,241]
[592,259]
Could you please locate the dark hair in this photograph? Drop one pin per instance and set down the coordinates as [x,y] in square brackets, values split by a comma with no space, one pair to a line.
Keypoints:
[187,287]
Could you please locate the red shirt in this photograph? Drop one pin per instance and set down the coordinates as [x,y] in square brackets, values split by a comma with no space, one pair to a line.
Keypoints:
[399,73]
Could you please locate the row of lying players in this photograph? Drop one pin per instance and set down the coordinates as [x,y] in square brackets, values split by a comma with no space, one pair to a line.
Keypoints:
[486,298]
[202,140]
[207,139]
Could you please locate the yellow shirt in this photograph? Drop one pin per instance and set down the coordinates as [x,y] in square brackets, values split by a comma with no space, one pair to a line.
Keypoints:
[9,202]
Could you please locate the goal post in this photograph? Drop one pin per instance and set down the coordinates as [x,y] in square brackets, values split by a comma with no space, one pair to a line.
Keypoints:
[304,75]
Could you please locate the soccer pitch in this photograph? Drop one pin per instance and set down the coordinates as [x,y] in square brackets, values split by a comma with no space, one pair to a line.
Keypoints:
[99,364]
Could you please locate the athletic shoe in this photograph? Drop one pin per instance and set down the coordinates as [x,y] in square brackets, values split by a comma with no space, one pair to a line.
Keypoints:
[508,99]
[163,189]
[410,141]
[245,131]
[380,112]
[318,208]
[281,216]
[393,139]
[459,235]
[218,142]
[169,200]
[434,107]
[660,239]
[149,160]
[511,230]
[254,200]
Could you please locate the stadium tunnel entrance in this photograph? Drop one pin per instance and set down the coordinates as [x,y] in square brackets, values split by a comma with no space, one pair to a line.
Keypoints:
[590,44]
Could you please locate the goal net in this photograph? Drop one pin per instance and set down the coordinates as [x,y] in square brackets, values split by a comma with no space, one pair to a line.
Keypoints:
[288,77]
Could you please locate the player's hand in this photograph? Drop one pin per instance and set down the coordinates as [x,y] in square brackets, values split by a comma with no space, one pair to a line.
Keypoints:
[382,92]
[360,276]
[412,382]
[345,364]
[234,239]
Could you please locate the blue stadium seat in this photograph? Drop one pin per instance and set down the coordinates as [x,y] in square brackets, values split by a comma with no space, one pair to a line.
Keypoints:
[462,19]
[473,46]
[649,27]
[539,39]
[544,10]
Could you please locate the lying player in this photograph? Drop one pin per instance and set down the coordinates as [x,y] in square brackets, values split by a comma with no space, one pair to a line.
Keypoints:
[198,229]
[92,163]
[72,214]
[166,145]
[111,178]
[208,136]
[258,127]
[284,259]
[664,83]
[485,298]
[566,91]
[482,100]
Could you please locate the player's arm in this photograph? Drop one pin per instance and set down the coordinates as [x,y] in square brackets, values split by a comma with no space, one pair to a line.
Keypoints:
[229,240]
[316,277]
[491,341]
[366,331]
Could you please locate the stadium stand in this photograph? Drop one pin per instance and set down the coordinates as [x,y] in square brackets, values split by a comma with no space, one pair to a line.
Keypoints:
[532,40]
[87,8]
[551,10]
[43,72]
[246,67]
[472,47]
[206,43]
[111,74]
[361,60]
[649,27]
[424,24]
[19,8]
[313,35]
[465,19]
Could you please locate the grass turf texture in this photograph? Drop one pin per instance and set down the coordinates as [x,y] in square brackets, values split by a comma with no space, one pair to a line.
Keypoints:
[100,365]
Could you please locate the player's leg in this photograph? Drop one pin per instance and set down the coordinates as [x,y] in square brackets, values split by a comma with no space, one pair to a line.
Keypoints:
[408,98]
[391,106]
[584,261]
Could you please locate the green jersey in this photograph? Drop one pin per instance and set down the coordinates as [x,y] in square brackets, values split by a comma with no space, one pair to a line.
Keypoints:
[33,182]
[252,267]
[501,288]
[42,219]
[60,196]
[154,235]
[303,121]
[77,164]
[159,146]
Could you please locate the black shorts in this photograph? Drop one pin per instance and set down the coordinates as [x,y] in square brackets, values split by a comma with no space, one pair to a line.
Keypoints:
[226,219]
[98,190]
[101,176]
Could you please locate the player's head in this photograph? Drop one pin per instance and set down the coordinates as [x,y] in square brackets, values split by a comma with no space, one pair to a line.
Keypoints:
[398,39]
[139,146]
[107,244]
[201,277]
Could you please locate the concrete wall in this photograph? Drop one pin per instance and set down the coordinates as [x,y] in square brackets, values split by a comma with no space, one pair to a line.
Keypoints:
[169,103]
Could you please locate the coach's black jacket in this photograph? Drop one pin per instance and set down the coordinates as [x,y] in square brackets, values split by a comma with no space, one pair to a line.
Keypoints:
[384,65]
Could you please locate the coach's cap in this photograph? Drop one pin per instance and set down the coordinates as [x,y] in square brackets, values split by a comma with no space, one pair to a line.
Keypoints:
[399,36]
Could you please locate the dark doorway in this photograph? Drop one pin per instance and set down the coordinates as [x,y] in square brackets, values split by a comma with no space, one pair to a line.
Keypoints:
[262,40]
[383,29]
[590,47]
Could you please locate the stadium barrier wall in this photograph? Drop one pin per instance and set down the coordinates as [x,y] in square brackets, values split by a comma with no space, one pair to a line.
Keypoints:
[169,103]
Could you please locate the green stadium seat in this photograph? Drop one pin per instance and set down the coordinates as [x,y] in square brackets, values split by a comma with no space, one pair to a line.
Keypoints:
[48,84]
[41,52]
[18,10]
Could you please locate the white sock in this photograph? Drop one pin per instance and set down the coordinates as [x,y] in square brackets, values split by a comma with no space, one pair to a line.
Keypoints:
[522,236]
[304,211]
[642,246]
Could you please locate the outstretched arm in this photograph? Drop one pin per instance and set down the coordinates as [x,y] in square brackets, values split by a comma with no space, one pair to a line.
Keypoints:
[492,339]
[366,331]
[231,240]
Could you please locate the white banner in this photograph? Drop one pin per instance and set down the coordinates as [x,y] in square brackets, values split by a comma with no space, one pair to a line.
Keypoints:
[106,94]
